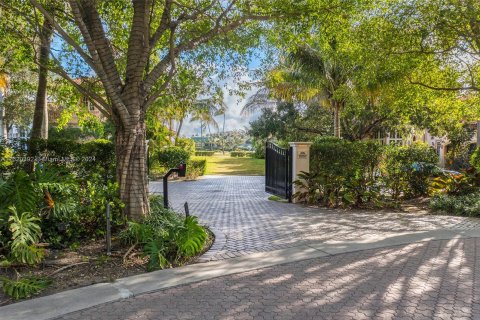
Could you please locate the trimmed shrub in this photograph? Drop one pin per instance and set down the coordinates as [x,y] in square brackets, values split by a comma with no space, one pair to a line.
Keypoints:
[171,157]
[204,153]
[406,169]
[344,171]
[241,154]
[196,168]
[186,144]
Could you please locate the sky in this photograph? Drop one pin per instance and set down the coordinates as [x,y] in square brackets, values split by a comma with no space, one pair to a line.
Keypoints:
[234,120]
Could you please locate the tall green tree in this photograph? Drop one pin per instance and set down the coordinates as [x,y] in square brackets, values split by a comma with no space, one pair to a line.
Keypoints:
[40,116]
[133,47]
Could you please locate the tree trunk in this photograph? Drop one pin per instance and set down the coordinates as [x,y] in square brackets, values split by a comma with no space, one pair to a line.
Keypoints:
[180,124]
[40,116]
[131,157]
[336,120]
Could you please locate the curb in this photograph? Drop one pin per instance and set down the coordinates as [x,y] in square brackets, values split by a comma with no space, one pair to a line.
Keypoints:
[219,243]
[50,307]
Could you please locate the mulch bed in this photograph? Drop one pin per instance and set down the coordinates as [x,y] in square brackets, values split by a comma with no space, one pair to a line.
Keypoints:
[87,265]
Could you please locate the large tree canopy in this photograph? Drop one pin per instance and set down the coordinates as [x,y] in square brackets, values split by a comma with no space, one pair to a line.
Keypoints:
[133,48]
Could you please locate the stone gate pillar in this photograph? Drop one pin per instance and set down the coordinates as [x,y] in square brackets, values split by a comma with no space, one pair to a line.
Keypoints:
[300,160]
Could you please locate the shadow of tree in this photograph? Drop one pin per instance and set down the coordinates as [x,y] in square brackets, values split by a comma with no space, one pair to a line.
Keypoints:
[426,280]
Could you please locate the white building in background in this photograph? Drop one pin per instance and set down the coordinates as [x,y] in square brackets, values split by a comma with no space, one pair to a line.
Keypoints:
[440,144]
[14,132]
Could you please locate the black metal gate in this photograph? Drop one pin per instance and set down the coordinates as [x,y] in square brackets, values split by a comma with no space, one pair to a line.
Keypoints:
[278,171]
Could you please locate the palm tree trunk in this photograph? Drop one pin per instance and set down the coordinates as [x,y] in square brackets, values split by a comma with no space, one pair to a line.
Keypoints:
[40,116]
[179,128]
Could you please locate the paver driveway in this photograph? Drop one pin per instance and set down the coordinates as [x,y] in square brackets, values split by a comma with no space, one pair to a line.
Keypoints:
[426,280]
[433,279]
[238,207]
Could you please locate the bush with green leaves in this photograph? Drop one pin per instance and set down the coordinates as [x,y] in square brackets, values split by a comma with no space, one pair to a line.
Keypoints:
[259,146]
[172,157]
[186,144]
[407,169]
[71,207]
[196,168]
[344,172]
[475,159]
[463,205]
[166,237]
[50,194]
[466,182]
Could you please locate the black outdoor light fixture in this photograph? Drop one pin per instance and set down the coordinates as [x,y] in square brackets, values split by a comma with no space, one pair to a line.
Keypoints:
[181,170]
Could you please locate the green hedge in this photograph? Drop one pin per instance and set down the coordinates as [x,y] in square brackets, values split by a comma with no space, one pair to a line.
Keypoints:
[352,173]
[241,154]
[204,153]
[82,157]
[196,168]
[407,169]
[186,144]
[171,157]
[344,171]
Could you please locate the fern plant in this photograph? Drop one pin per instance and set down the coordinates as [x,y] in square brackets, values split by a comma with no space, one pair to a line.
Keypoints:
[23,287]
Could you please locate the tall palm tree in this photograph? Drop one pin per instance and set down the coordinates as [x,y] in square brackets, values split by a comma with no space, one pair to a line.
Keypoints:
[307,75]
[205,111]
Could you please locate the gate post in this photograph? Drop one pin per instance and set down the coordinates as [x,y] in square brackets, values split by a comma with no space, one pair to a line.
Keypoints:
[300,161]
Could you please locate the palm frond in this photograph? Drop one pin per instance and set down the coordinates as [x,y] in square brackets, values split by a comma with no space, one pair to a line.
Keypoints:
[259,100]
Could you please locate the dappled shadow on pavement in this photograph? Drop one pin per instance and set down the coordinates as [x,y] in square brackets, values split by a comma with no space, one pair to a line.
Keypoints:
[426,280]
[238,207]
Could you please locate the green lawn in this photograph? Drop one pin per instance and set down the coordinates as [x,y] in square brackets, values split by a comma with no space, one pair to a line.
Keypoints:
[220,164]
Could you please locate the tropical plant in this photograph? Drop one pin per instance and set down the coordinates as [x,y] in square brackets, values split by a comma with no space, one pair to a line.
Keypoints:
[205,110]
[311,75]
[456,183]
[23,287]
[26,232]
[166,237]
[309,188]
[475,159]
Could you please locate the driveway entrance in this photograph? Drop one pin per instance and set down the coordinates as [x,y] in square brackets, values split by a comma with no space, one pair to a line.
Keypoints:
[245,221]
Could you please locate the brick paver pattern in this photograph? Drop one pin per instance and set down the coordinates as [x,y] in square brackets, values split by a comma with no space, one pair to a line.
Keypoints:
[238,207]
[426,280]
